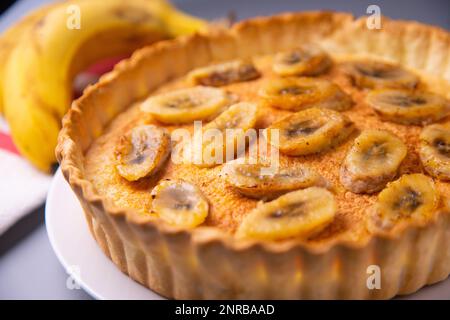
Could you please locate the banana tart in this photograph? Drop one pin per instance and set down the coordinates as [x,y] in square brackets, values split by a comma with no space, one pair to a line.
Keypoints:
[349,199]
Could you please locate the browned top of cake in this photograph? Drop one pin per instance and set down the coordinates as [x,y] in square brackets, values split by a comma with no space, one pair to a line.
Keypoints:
[228,207]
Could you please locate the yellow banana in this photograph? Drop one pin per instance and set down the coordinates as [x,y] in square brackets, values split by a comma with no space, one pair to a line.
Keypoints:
[40,69]
[10,37]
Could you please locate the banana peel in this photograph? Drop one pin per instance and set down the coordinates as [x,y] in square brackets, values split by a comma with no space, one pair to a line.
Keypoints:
[10,37]
[39,71]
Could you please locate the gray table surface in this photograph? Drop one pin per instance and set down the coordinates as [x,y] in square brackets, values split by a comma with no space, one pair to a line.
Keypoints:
[28,267]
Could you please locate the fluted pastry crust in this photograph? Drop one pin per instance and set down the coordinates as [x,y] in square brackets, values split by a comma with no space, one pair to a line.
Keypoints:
[207,263]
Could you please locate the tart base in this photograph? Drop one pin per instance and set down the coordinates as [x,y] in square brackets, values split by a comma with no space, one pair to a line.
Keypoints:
[204,263]
[175,266]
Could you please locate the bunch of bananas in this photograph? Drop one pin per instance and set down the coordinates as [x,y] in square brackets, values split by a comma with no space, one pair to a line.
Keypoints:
[41,55]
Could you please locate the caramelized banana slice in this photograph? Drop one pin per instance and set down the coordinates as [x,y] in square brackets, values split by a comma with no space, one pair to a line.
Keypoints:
[241,115]
[263,182]
[186,105]
[377,74]
[232,125]
[435,150]
[372,161]
[224,73]
[311,131]
[299,213]
[408,107]
[179,203]
[296,94]
[413,197]
[304,61]
[142,152]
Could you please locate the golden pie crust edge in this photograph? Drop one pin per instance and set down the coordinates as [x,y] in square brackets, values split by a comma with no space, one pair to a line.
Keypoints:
[205,263]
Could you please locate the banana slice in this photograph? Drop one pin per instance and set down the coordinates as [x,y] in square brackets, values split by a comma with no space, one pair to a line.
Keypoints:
[296,94]
[413,197]
[241,115]
[223,74]
[377,74]
[408,107]
[142,152]
[435,150]
[179,203]
[299,213]
[372,161]
[304,61]
[260,182]
[232,124]
[310,131]
[186,105]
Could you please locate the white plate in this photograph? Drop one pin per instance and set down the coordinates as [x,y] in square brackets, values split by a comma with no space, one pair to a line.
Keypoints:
[77,250]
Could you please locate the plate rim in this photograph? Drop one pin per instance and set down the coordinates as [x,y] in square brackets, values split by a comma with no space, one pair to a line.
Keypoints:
[58,178]
[54,243]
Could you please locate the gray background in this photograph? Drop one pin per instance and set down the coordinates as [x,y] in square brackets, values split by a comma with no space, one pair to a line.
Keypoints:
[28,267]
